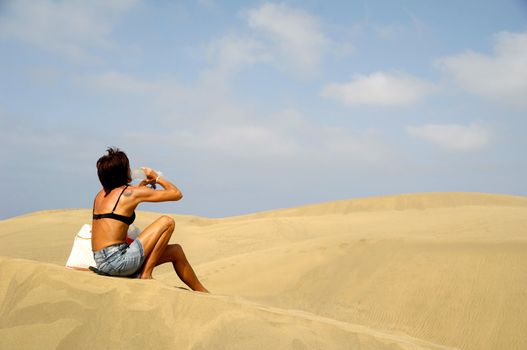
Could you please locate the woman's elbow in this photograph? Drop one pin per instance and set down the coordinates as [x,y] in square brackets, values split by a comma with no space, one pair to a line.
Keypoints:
[178,195]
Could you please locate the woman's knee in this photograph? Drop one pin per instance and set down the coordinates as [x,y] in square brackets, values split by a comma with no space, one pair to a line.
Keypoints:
[177,251]
[167,221]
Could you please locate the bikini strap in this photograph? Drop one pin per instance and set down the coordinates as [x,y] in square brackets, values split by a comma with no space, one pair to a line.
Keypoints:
[115,206]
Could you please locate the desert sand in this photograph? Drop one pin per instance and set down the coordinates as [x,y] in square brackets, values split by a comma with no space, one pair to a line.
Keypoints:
[420,271]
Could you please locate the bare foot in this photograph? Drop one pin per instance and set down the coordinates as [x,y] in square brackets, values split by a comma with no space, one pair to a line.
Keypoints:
[202,289]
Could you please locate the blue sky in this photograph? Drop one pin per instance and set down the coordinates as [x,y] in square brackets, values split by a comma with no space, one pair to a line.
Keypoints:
[255,105]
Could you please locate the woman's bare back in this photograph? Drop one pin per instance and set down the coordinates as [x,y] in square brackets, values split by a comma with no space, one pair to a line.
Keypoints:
[107,231]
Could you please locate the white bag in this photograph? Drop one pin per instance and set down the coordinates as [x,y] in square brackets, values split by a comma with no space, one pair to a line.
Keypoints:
[81,256]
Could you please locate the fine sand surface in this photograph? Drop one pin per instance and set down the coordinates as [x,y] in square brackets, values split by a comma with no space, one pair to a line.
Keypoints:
[422,271]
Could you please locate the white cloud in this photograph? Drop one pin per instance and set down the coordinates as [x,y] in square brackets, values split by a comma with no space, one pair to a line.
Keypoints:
[209,120]
[295,33]
[70,28]
[285,37]
[501,76]
[380,88]
[234,52]
[454,137]
[285,137]
[248,141]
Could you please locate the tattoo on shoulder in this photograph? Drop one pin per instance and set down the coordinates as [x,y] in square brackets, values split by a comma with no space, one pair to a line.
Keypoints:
[128,193]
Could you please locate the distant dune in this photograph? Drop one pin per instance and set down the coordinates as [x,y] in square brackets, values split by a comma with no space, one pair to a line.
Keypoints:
[421,271]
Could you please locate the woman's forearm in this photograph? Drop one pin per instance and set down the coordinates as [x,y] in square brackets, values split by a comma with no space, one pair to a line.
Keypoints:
[169,186]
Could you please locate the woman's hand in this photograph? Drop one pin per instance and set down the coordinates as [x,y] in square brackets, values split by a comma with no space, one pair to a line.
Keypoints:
[151,177]
[169,193]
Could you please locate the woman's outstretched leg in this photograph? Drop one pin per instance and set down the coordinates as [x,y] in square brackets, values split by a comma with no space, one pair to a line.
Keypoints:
[174,254]
[154,239]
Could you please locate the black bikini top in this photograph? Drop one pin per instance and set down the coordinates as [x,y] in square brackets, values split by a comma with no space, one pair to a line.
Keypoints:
[126,219]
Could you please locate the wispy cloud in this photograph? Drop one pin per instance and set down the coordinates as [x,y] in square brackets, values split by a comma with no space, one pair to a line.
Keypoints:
[454,137]
[380,88]
[232,52]
[501,76]
[297,40]
[72,29]
[225,126]
[274,141]
[280,35]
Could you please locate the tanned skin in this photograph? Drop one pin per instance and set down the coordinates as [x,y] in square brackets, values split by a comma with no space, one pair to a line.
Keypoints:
[155,237]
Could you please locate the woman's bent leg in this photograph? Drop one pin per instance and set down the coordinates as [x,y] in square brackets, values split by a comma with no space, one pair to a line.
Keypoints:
[174,254]
[154,239]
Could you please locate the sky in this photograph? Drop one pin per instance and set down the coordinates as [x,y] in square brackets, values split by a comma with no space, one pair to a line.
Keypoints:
[254,105]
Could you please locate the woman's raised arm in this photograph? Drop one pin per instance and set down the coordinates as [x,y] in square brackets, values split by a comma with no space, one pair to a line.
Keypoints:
[169,193]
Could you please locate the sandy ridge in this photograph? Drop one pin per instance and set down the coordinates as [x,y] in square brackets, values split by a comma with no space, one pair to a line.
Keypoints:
[34,281]
[412,201]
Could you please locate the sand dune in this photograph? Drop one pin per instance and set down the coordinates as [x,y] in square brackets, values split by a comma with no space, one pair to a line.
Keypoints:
[65,309]
[417,271]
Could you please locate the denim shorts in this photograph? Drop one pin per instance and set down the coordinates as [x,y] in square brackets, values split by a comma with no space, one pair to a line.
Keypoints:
[120,259]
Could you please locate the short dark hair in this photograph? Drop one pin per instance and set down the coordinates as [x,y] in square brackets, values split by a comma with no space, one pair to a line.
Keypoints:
[113,169]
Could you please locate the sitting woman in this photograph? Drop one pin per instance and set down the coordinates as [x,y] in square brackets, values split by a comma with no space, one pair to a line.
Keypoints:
[114,210]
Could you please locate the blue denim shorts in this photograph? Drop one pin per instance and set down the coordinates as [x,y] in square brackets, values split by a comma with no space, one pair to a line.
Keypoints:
[120,259]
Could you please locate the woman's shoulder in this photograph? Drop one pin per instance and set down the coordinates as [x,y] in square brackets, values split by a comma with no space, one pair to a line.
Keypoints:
[104,195]
[99,194]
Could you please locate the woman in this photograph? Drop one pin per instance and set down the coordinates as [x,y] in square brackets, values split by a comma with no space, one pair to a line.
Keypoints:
[114,210]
